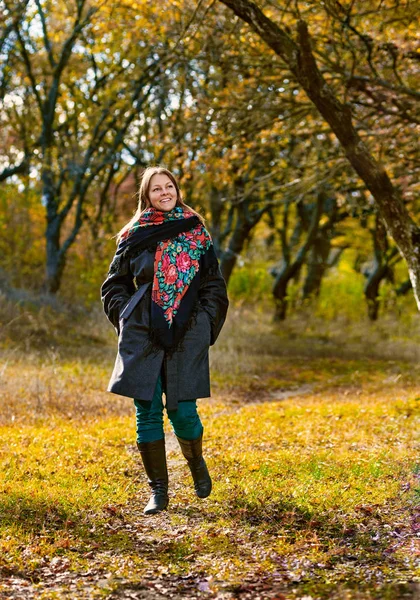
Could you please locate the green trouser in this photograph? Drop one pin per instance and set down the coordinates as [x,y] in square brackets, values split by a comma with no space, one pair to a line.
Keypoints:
[185,420]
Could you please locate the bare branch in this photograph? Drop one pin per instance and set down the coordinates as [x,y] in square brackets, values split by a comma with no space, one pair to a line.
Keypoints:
[47,43]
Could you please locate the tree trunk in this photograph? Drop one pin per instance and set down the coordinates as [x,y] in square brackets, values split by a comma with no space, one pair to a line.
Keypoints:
[280,299]
[317,264]
[280,289]
[235,247]
[54,267]
[372,290]
[245,222]
[317,269]
[380,268]
[290,267]
[55,259]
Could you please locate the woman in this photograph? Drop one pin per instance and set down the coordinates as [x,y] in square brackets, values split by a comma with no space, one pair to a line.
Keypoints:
[167,299]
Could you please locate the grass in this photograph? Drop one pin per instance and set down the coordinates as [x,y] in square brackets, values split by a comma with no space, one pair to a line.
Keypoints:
[311,438]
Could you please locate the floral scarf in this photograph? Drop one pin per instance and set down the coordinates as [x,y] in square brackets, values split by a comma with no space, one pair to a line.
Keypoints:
[184,252]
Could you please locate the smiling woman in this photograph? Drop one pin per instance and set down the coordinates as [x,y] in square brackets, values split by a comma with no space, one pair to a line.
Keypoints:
[167,299]
[163,195]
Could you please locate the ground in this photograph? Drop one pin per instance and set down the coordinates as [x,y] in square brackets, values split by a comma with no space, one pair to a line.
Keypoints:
[311,437]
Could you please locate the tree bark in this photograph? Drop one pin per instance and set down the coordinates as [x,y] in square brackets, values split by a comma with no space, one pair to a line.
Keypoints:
[321,258]
[235,247]
[245,223]
[298,56]
[381,268]
[321,255]
[291,268]
[55,261]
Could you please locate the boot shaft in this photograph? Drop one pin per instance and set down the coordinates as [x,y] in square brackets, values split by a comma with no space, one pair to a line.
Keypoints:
[153,455]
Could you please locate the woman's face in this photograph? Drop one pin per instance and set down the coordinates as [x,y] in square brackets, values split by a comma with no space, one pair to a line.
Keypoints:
[162,192]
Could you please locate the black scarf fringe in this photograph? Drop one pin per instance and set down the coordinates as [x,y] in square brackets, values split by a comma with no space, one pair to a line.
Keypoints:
[154,344]
[116,264]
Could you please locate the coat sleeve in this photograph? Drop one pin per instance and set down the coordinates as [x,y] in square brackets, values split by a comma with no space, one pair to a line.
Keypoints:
[117,289]
[213,298]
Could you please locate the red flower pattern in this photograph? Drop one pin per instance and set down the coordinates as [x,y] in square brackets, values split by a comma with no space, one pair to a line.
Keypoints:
[171,274]
[183,262]
[166,261]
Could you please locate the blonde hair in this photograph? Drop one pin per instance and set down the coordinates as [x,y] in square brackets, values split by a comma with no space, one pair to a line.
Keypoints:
[144,200]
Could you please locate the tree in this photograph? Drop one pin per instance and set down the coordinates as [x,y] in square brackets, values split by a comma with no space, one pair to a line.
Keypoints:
[322,254]
[380,267]
[292,258]
[88,84]
[299,56]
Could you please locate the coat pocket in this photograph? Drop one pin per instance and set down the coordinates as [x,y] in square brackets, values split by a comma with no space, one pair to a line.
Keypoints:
[134,300]
[208,322]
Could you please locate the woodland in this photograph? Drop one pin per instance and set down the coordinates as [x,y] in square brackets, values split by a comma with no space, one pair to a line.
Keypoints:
[293,128]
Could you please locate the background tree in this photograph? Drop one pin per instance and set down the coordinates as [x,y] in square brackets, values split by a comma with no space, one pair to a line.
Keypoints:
[298,54]
[222,110]
[322,254]
[380,268]
[15,150]
[87,82]
[292,262]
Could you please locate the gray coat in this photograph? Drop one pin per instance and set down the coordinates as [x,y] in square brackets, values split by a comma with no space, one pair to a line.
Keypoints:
[126,297]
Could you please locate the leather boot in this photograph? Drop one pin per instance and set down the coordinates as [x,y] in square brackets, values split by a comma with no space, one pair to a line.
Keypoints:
[153,456]
[192,450]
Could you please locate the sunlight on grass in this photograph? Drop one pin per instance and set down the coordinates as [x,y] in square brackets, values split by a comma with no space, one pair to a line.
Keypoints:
[312,444]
